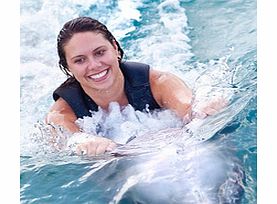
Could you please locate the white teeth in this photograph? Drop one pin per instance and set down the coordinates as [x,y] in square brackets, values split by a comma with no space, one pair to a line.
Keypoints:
[99,75]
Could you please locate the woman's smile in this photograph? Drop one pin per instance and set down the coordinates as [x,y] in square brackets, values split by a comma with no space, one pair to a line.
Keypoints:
[100,76]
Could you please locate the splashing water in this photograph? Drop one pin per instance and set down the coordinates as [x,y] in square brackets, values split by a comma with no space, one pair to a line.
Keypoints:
[159,159]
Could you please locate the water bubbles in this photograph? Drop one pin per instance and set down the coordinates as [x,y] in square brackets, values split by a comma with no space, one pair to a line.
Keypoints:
[120,124]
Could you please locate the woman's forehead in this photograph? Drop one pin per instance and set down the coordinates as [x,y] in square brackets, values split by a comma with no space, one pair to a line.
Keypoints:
[83,42]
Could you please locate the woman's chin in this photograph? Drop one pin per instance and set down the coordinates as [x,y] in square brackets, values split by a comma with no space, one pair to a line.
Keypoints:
[104,85]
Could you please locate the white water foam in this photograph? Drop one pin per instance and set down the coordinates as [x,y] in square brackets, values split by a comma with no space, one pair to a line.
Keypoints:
[167,39]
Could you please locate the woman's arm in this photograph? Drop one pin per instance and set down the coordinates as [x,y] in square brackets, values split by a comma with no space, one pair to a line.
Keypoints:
[172,93]
[62,114]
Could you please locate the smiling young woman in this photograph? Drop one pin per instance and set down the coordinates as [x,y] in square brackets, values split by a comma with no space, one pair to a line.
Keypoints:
[92,59]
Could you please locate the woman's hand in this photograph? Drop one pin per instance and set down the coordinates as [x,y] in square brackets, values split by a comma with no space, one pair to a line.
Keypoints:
[90,145]
[211,107]
[95,147]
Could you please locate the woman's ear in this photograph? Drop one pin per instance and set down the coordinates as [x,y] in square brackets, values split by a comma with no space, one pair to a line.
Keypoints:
[115,45]
[116,48]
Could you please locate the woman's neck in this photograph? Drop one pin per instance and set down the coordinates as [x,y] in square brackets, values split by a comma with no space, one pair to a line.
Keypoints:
[115,93]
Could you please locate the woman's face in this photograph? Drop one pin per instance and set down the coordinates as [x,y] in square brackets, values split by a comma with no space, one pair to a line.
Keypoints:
[93,60]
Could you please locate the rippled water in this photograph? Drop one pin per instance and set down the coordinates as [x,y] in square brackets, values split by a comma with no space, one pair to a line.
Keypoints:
[211,45]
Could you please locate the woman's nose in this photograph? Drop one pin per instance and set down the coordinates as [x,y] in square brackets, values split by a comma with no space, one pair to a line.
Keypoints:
[94,63]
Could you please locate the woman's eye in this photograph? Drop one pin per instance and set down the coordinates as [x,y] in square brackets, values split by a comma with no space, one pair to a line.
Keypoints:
[100,53]
[79,61]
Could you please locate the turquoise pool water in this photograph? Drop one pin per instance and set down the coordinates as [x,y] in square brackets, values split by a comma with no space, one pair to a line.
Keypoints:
[210,44]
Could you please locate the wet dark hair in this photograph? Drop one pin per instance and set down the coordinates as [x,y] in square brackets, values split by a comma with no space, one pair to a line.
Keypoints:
[78,25]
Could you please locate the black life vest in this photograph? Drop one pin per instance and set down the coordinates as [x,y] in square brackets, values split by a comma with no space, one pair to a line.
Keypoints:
[136,87]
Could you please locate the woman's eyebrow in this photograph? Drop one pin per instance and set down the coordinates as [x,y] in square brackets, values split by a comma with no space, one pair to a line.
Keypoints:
[98,48]
[95,50]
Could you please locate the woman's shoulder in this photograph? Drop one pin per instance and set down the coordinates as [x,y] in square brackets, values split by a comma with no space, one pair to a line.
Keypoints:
[135,73]
[71,81]
[160,77]
[165,82]
[69,87]
[133,65]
